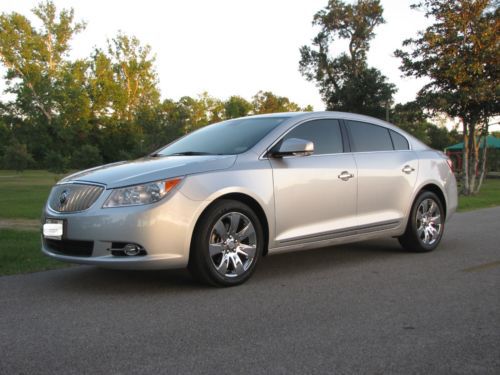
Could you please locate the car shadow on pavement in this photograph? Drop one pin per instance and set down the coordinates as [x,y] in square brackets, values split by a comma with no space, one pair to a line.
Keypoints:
[86,279]
[316,260]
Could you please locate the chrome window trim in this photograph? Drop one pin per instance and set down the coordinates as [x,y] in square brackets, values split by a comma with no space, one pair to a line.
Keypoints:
[264,156]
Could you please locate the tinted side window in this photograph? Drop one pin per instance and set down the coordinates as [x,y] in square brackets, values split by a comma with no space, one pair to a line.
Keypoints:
[399,142]
[369,137]
[325,134]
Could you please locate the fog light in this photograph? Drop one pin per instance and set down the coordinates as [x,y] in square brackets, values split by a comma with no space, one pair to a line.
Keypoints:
[131,249]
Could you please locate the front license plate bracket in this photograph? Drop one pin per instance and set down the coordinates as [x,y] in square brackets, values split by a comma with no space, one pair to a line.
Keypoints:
[53,229]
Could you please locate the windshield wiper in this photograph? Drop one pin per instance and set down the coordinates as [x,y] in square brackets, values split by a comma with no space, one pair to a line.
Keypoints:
[189,153]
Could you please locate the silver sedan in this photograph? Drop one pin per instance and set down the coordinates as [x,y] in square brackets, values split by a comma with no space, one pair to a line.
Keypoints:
[220,198]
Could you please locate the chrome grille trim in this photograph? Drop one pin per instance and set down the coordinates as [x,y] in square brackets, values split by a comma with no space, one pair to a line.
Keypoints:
[79,197]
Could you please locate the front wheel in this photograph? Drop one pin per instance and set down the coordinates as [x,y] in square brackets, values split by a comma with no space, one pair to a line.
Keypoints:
[227,244]
[425,224]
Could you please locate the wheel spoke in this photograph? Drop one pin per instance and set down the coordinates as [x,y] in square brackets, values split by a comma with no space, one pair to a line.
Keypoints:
[436,219]
[432,208]
[421,208]
[221,230]
[238,264]
[432,232]
[420,230]
[248,231]
[247,250]
[426,206]
[222,267]
[419,214]
[215,249]
[426,236]
[234,222]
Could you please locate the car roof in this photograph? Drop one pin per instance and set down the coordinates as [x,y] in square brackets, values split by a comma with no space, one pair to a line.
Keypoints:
[301,116]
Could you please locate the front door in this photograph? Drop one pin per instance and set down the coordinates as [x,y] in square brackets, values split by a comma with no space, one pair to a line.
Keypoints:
[315,196]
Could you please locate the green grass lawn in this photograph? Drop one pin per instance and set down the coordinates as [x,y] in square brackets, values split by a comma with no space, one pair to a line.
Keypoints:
[23,195]
[489,196]
[20,253]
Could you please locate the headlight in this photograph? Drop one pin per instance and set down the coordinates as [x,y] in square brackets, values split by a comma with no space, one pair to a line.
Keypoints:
[141,194]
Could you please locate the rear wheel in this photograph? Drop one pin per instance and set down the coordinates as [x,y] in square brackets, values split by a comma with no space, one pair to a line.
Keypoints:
[425,224]
[227,244]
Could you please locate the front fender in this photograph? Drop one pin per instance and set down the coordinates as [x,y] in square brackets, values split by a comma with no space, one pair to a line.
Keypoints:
[255,183]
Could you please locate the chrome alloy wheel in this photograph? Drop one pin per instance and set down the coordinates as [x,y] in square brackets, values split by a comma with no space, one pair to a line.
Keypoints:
[232,244]
[428,220]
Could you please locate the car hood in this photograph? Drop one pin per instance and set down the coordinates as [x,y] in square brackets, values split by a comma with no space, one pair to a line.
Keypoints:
[149,169]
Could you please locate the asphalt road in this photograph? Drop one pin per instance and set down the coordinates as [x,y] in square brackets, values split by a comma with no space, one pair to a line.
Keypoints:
[366,308]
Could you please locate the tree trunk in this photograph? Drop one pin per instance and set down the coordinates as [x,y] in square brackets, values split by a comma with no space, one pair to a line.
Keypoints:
[465,160]
[473,151]
[474,159]
[484,153]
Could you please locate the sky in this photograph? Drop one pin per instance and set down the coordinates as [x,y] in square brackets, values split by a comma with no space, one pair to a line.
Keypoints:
[232,47]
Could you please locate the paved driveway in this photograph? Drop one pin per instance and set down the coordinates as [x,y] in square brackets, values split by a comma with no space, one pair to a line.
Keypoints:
[364,308]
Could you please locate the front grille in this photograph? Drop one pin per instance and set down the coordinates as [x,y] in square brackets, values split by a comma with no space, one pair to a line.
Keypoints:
[73,197]
[70,247]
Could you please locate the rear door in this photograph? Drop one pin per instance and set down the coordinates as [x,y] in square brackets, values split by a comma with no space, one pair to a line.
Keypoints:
[387,173]
[315,196]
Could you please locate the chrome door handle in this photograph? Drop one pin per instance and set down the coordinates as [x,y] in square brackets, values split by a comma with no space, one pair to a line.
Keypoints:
[344,176]
[408,169]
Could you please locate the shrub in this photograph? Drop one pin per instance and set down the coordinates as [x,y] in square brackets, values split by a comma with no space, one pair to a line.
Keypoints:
[85,157]
[55,162]
[17,157]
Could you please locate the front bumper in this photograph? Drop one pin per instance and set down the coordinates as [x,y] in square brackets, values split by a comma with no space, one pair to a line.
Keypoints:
[162,229]
[147,262]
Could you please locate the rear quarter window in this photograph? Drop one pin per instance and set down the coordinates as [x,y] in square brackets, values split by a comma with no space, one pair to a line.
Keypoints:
[399,142]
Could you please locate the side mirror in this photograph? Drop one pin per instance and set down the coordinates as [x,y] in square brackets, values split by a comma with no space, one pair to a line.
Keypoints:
[293,147]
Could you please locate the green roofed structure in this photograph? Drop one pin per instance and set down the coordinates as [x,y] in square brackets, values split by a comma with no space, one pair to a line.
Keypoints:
[491,142]
[454,152]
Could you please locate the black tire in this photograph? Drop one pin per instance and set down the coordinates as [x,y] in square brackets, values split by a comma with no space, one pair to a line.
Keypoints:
[202,264]
[416,240]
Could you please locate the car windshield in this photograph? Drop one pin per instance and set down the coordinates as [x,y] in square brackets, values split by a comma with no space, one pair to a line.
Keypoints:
[224,138]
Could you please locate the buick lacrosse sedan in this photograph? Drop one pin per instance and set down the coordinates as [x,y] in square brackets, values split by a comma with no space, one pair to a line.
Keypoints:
[219,199]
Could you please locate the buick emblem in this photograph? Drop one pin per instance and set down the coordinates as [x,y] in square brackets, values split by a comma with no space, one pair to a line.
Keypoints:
[63,198]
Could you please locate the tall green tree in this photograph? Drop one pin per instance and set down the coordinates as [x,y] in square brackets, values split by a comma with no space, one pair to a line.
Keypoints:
[198,112]
[37,69]
[106,107]
[267,102]
[161,124]
[36,58]
[236,106]
[411,117]
[135,75]
[346,82]
[123,85]
[459,53]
